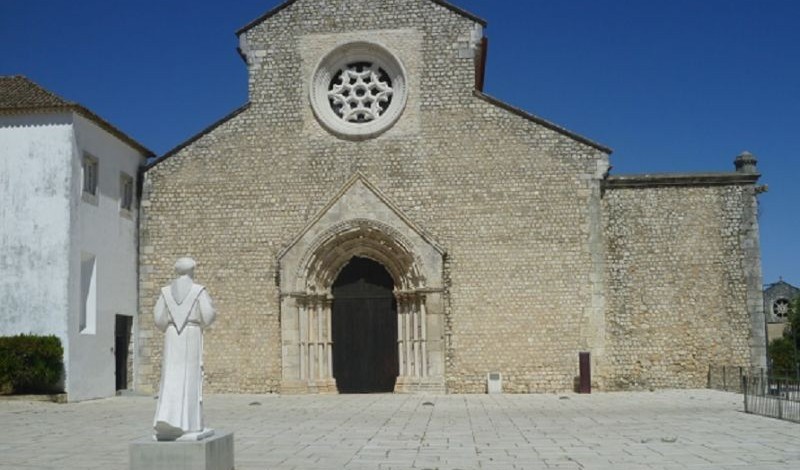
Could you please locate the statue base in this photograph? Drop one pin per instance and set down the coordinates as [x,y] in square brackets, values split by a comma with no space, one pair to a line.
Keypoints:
[214,453]
[196,436]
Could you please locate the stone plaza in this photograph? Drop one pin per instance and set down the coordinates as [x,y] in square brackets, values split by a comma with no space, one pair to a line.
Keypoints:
[692,429]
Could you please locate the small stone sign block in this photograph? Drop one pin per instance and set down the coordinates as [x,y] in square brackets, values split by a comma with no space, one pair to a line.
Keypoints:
[494,383]
[214,453]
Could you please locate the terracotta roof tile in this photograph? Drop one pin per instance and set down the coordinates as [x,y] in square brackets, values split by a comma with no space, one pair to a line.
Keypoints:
[20,94]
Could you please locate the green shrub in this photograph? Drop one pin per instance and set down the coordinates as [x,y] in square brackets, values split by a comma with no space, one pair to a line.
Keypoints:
[30,364]
[782,357]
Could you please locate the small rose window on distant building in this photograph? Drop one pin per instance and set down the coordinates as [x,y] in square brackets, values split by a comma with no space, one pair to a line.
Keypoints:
[780,308]
[358,91]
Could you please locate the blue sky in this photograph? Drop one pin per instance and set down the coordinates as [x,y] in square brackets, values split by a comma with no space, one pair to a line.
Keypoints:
[670,85]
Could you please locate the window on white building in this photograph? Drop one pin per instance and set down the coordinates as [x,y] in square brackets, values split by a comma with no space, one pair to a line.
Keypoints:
[88,309]
[125,192]
[89,172]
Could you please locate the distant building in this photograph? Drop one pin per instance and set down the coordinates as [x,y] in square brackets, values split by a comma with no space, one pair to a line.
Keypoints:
[777,300]
[68,233]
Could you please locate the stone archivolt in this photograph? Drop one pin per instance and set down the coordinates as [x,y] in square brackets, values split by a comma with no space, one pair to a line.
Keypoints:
[365,238]
[374,230]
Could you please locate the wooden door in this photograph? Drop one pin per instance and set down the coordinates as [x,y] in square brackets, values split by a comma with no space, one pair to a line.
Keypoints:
[122,338]
[364,326]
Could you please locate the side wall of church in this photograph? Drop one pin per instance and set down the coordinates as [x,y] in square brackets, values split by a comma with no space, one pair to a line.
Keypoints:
[511,201]
[680,283]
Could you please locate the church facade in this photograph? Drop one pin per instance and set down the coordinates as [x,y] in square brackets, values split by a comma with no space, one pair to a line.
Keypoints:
[371,221]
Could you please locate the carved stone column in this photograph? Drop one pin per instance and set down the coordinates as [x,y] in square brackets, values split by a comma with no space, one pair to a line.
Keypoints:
[412,334]
[311,340]
[329,341]
[423,344]
[308,344]
[320,343]
[408,337]
[401,345]
[303,343]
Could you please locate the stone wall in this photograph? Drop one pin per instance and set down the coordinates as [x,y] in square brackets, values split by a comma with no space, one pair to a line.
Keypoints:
[679,291]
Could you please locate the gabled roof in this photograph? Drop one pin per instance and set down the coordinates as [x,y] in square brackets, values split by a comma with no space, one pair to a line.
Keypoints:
[19,94]
[781,283]
[288,3]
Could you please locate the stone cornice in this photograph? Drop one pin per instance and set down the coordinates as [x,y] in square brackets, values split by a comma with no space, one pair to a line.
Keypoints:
[679,179]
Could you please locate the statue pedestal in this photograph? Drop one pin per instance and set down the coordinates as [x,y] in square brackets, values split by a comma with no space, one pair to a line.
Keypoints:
[214,453]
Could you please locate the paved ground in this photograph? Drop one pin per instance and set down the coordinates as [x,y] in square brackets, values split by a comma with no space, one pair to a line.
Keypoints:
[700,429]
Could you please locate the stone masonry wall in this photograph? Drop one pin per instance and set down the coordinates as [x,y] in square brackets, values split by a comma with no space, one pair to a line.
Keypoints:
[677,291]
[508,198]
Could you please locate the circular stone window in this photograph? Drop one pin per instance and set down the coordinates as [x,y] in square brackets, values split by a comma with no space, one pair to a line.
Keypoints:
[781,308]
[359,90]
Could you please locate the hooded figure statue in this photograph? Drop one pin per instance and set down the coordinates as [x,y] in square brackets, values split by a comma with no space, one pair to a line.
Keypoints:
[183,310]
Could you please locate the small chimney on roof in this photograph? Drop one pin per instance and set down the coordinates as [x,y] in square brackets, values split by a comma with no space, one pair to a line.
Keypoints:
[746,163]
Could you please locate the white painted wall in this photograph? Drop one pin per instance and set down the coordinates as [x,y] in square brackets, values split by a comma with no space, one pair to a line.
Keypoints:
[35,184]
[101,230]
[47,229]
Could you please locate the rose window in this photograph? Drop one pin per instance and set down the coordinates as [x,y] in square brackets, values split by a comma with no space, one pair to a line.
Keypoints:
[361,92]
[358,91]
[781,308]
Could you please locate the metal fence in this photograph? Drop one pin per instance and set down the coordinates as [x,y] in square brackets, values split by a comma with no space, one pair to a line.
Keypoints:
[729,378]
[776,398]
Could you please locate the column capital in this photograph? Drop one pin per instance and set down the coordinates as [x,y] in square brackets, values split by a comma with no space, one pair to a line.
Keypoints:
[410,295]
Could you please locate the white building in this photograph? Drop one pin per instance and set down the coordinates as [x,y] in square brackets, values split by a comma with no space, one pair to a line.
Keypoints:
[68,233]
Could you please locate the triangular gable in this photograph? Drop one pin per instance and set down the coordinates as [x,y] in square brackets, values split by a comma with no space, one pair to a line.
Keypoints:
[359,205]
[350,187]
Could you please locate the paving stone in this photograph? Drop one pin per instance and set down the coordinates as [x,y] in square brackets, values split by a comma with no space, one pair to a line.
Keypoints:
[619,431]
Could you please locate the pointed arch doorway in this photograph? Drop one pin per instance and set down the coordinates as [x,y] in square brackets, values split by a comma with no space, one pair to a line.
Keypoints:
[361,246]
[364,328]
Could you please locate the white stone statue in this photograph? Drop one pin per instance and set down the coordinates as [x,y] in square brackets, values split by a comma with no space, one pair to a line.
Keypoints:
[183,310]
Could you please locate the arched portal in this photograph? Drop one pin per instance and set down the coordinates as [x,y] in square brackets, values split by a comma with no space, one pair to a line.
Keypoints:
[364,328]
[361,227]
